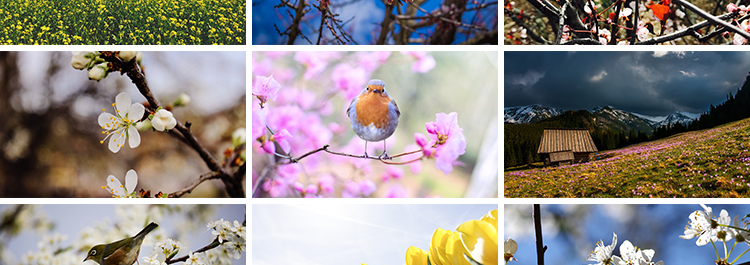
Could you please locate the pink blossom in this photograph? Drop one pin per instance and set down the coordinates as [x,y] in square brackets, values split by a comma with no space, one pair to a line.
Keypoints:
[349,79]
[424,62]
[289,117]
[316,62]
[282,138]
[738,39]
[604,35]
[326,183]
[371,61]
[259,123]
[263,67]
[311,189]
[731,7]
[351,189]
[265,88]
[449,138]
[275,188]
[395,191]
[367,187]
[415,166]
[392,172]
[299,187]
[642,31]
[289,172]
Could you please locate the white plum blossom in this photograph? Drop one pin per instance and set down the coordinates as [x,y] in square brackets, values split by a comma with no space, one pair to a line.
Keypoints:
[99,71]
[182,100]
[197,259]
[163,120]
[603,254]
[117,189]
[700,226]
[121,126]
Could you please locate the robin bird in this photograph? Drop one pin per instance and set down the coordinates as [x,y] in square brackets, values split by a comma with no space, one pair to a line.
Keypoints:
[374,114]
[122,252]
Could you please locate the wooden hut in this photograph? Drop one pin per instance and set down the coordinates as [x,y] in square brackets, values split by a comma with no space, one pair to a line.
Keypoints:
[566,146]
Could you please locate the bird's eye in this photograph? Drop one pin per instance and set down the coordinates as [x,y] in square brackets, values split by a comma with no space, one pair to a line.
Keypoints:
[93,252]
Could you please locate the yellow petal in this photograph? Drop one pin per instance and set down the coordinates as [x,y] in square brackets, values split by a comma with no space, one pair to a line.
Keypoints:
[480,241]
[454,250]
[437,247]
[416,256]
[491,218]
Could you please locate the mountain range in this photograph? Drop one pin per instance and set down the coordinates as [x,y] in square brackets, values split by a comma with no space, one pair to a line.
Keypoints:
[604,116]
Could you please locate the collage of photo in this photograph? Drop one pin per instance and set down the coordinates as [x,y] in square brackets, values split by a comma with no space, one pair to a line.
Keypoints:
[123,132]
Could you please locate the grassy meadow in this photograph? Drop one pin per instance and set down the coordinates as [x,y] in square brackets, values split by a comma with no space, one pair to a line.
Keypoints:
[707,163]
[118,22]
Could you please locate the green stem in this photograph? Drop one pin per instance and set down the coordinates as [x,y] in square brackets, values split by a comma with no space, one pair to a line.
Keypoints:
[734,227]
[715,250]
[731,250]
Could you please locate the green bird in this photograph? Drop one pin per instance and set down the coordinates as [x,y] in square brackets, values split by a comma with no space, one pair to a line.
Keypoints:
[122,252]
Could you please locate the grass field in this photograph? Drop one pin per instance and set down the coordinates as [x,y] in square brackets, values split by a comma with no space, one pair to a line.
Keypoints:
[136,22]
[707,163]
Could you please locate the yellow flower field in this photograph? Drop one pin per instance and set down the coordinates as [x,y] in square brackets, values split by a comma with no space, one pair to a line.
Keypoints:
[137,22]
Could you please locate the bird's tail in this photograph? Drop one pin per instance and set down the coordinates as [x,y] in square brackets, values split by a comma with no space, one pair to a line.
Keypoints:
[146,230]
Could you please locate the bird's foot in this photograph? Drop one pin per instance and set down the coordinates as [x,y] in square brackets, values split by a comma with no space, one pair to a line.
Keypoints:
[384,156]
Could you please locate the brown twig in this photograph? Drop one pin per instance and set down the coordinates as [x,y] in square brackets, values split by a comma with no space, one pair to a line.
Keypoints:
[712,18]
[213,244]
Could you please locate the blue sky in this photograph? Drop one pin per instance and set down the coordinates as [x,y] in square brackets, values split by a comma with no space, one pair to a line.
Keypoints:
[572,231]
[324,234]
[365,16]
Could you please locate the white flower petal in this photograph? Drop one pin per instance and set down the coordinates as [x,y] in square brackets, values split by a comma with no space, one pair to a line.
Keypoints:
[133,137]
[116,141]
[171,123]
[122,103]
[106,120]
[131,179]
[158,124]
[115,185]
[135,112]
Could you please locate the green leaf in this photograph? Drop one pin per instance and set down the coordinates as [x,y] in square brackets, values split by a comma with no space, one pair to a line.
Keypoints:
[746,216]
[165,195]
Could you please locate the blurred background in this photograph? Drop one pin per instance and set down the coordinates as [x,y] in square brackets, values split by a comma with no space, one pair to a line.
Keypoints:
[49,135]
[30,232]
[571,231]
[317,88]
[351,234]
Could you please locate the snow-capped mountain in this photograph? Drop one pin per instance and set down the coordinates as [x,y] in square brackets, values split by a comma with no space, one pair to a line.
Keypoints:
[611,117]
[605,116]
[530,113]
[678,117]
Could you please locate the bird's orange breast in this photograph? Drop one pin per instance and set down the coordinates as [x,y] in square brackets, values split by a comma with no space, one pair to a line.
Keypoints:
[372,108]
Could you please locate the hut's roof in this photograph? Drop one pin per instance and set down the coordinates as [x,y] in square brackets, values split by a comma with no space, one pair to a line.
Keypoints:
[575,140]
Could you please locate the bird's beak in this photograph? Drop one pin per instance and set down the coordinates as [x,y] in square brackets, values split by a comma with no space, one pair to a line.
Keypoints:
[87,258]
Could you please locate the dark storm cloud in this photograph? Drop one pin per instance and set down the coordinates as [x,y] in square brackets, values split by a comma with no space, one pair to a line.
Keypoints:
[643,82]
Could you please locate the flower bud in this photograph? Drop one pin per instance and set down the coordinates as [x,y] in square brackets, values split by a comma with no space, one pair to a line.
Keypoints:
[126,56]
[138,57]
[182,100]
[81,60]
[99,71]
[163,120]
[238,137]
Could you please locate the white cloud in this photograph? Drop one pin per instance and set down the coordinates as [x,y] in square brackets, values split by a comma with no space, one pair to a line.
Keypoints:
[528,79]
[658,54]
[599,76]
[688,74]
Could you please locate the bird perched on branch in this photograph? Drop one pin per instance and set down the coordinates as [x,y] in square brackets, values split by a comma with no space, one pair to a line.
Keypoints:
[374,114]
[122,252]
